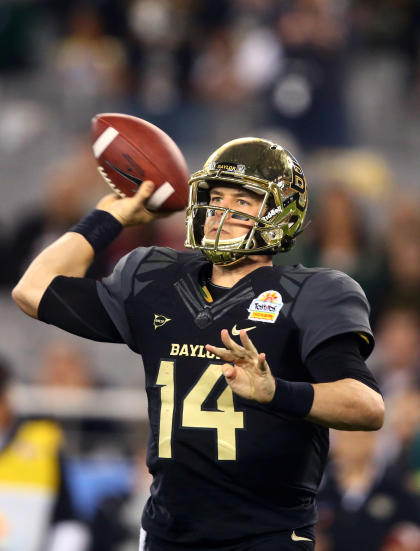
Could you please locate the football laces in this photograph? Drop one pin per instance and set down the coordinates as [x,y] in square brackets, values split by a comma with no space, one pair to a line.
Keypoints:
[108,180]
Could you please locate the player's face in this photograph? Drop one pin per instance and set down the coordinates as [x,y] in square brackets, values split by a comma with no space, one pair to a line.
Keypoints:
[231,198]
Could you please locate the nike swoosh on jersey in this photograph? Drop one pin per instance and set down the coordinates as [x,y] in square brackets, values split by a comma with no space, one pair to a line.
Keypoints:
[298,538]
[126,175]
[235,331]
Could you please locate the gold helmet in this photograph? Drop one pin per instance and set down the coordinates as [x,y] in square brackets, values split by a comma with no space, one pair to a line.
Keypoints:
[262,167]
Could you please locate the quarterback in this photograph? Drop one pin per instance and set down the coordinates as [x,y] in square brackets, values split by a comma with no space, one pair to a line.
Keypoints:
[246,364]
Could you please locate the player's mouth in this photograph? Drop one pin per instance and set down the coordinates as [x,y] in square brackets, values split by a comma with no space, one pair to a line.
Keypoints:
[214,231]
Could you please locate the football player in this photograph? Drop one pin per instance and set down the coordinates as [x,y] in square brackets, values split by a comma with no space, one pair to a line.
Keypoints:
[246,364]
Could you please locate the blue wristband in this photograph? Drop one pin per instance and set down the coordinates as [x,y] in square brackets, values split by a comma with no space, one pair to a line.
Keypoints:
[292,398]
[100,228]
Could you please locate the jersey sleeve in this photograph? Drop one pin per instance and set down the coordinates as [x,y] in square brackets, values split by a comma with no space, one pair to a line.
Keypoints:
[72,304]
[331,303]
[115,290]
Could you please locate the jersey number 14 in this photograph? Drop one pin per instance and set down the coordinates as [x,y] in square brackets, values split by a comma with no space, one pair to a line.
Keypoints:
[225,420]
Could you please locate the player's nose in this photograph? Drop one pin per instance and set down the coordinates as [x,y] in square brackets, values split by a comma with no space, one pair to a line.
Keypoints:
[219,213]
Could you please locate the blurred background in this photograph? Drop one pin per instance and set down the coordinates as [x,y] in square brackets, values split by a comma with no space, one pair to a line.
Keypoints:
[335,81]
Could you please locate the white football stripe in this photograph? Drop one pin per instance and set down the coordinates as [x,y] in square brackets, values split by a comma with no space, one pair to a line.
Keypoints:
[104,140]
[160,196]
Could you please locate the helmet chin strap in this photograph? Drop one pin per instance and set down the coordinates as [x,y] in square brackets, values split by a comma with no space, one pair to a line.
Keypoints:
[223,258]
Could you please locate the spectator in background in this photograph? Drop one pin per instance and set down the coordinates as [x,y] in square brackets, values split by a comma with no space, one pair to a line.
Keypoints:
[66,372]
[403,537]
[361,499]
[66,366]
[115,523]
[397,278]
[4,255]
[402,431]
[396,361]
[19,22]
[161,35]
[414,462]
[218,59]
[70,188]
[308,91]
[35,506]
[90,63]
[338,237]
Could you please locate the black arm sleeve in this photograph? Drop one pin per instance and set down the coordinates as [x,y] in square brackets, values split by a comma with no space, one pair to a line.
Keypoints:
[340,357]
[72,304]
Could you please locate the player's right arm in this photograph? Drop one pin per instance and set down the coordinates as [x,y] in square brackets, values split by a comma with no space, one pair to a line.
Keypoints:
[72,254]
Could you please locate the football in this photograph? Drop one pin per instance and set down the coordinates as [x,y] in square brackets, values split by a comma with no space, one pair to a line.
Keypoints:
[130,150]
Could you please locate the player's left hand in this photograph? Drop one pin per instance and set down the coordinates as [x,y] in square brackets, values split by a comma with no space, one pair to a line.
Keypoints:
[250,376]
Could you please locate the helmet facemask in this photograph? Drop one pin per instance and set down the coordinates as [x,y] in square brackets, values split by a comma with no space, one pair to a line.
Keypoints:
[277,221]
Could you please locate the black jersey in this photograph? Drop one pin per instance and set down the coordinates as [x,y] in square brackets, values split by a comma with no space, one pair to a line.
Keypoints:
[219,460]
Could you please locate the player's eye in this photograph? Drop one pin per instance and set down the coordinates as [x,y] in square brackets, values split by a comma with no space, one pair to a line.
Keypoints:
[243,203]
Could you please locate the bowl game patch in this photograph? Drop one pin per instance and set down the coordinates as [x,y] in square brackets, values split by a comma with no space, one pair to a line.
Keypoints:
[266,307]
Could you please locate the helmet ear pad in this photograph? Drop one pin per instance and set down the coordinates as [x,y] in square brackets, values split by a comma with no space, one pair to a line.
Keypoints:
[258,237]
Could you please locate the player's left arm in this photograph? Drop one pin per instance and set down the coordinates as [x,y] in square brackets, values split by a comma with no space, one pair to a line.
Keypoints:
[346,404]
[346,394]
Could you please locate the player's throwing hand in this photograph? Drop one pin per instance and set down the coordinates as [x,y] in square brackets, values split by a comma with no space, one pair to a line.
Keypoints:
[130,211]
[247,371]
